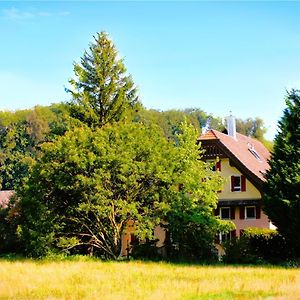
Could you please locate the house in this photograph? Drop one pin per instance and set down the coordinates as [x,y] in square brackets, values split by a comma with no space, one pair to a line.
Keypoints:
[242,161]
[5,198]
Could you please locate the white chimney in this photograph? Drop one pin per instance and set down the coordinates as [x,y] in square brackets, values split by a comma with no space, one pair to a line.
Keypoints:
[231,127]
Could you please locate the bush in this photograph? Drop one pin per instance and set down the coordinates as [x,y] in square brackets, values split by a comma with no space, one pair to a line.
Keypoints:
[257,246]
[9,218]
[147,250]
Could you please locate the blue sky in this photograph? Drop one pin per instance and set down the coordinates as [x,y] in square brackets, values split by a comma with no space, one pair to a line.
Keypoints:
[217,56]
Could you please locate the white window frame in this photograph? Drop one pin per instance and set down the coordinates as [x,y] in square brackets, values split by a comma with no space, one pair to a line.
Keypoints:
[226,207]
[223,237]
[235,187]
[250,218]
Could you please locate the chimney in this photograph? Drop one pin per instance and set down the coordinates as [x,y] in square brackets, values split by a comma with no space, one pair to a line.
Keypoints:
[231,128]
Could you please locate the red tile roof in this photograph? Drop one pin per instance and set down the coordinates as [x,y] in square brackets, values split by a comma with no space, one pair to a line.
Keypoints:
[4,198]
[209,135]
[244,148]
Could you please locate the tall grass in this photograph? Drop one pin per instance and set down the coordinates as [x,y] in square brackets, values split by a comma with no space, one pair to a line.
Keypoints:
[92,279]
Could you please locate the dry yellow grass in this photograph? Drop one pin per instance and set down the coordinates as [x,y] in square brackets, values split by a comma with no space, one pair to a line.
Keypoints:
[138,280]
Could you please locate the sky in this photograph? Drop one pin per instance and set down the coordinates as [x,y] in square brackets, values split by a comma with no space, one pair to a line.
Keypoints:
[221,56]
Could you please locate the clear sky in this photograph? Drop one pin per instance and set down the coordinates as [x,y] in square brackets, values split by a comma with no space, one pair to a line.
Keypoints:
[217,56]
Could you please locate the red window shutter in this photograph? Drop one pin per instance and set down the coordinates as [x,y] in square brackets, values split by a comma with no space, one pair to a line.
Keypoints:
[217,212]
[218,166]
[243,183]
[242,212]
[232,183]
[258,210]
[232,212]
[233,234]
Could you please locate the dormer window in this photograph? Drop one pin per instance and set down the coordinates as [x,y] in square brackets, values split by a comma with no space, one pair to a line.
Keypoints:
[238,183]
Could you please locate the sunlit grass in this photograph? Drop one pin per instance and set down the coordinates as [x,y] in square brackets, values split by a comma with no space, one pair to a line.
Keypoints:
[91,279]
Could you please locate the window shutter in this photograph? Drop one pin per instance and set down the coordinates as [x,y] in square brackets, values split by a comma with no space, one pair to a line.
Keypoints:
[242,212]
[232,212]
[217,212]
[258,209]
[243,183]
[233,234]
[232,183]
[218,165]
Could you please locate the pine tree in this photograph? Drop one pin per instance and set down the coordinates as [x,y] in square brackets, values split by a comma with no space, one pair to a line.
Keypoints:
[102,91]
[282,189]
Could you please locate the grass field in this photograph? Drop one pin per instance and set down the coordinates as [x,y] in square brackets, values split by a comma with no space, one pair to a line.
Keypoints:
[91,279]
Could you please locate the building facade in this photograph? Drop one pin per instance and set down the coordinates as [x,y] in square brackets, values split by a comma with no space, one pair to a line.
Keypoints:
[242,162]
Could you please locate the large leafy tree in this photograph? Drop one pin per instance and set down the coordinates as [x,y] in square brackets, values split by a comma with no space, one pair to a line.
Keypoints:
[101,90]
[251,127]
[255,128]
[90,183]
[282,189]
[191,226]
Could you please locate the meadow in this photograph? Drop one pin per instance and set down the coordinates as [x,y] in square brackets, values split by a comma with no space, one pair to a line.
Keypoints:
[94,279]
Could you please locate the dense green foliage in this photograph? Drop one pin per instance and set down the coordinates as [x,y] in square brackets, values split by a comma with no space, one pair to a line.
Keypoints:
[251,127]
[170,119]
[257,246]
[102,91]
[254,128]
[282,189]
[21,133]
[9,221]
[88,185]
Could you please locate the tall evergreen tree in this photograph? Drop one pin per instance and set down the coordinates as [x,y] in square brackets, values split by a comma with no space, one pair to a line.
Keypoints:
[101,91]
[282,189]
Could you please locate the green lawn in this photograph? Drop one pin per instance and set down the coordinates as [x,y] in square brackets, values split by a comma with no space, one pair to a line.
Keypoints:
[91,279]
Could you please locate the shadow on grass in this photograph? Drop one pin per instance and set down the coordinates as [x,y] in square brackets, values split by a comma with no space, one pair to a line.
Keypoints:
[84,258]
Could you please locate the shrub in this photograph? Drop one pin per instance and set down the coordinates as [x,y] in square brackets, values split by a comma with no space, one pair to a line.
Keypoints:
[257,246]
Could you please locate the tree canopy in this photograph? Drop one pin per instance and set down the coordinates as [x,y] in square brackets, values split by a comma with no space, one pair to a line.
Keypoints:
[282,189]
[21,133]
[89,184]
[101,91]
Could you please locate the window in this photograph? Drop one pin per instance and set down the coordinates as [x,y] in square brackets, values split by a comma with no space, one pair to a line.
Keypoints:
[223,237]
[238,183]
[225,213]
[250,212]
[235,183]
